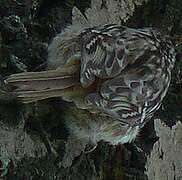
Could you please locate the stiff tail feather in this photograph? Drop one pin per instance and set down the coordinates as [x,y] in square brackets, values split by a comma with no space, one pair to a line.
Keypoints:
[34,86]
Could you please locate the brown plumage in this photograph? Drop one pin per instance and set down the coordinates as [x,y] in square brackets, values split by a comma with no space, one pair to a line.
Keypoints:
[121,72]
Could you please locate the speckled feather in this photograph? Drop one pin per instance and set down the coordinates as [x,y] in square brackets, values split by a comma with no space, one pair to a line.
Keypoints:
[136,65]
[116,71]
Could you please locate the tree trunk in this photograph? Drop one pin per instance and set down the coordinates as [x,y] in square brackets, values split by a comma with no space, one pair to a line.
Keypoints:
[35,141]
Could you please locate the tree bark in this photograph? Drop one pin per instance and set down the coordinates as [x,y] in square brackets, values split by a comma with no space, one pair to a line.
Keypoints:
[164,161]
[35,141]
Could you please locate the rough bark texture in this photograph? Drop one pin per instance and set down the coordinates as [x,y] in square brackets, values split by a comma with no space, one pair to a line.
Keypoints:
[165,160]
[34,140]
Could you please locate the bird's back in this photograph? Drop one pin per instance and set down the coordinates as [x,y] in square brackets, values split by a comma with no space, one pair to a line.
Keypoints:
[136,65]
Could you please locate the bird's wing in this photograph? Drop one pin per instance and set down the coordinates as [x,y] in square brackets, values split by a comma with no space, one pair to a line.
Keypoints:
[107,50]
[126,97]
[119,100]
[102,54]
[128,91]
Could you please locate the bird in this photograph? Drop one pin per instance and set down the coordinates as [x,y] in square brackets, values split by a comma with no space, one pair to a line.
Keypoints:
[114,71]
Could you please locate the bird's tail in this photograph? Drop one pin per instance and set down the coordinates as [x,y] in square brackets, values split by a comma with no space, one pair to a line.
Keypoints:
[33,86]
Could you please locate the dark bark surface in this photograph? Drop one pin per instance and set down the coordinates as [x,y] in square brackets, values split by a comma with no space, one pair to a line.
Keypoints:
[34,137]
